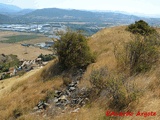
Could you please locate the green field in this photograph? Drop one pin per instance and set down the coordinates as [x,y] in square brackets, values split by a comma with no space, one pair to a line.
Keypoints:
[19,38]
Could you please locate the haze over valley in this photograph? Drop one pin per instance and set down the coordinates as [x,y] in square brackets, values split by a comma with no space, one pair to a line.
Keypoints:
[31,20]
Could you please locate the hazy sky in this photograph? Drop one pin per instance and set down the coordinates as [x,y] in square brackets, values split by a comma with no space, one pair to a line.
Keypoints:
[133,6]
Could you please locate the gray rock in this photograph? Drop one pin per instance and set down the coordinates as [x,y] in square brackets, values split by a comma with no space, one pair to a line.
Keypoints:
[72,88]
[74,101]
[35,108]
[76,110]
[58,104]
[56,100]
[63,97]
[67,92]
[58,93]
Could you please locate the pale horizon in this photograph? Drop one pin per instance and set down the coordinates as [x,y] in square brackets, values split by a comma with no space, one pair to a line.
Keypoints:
[149,7]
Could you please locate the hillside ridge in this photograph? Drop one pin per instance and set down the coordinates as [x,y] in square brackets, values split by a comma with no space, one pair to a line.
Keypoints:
[36,88]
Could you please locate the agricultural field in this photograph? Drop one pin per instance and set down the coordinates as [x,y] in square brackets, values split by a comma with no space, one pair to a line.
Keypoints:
[10,43]
[19,38]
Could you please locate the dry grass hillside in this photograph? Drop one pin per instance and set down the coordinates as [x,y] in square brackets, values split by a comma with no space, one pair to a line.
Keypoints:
[24,95]
[103,44]
[21,93]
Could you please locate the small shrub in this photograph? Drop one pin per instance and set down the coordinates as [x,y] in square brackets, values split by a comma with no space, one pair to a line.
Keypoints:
[117,87]
[66,81]
[98,78]
[121,91]
[51,71]
[6,76]
[5,68]
[17,113]
[50,95]
[46,57]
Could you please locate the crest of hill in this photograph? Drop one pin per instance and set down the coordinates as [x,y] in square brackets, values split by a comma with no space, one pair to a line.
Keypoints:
[102,44]
[56,12]
[106,38]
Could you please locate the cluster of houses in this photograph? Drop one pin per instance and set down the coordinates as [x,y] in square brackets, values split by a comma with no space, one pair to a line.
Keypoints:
[45,45]
[25,66]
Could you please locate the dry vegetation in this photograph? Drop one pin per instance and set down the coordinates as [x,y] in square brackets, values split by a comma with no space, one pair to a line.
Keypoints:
[21,94]
[24,95]
[103,44]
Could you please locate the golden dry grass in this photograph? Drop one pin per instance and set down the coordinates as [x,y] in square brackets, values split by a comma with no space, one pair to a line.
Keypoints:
[29,92]
[23,95]
[102,43]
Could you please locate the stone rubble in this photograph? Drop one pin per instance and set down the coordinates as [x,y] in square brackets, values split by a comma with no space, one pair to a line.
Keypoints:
[71,96]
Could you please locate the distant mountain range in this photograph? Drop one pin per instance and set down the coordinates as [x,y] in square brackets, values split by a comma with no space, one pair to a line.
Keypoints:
[5,19]
[8,9]
[14,14]
[24,11]
[13,10]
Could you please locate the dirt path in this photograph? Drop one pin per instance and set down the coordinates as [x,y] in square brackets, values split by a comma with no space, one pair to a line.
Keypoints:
[6,85]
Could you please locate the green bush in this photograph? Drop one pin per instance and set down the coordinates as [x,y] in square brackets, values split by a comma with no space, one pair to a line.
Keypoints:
[118,88]
[98,78]
[11,61]
[121,91]
[73,51]
[138,55]
[141,27]
[46,57]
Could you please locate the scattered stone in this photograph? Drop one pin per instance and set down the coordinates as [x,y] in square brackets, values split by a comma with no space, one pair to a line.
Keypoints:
[74,101]
[42,105]
[67,92]
[76,110]
[58,93]
[72,88]
[63,97]
[56,100]
[71,97]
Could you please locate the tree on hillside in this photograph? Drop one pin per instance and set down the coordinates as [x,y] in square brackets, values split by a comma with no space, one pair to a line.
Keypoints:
[73,51]
[141,27]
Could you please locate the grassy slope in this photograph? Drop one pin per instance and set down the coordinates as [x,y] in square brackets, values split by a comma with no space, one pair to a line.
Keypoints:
[29,92]
[149,83]
[102,43]
[24,92]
